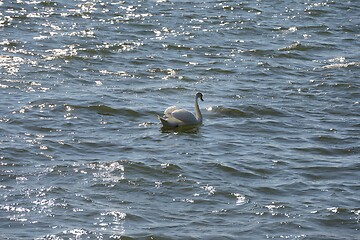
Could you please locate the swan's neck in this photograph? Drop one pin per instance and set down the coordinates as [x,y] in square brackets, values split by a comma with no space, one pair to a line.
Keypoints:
[197,111]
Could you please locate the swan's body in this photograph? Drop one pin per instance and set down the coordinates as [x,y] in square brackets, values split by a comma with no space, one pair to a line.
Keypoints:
[174,117]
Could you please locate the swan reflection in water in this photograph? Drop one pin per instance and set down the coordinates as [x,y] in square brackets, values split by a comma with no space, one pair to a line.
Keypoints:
[182,118]
[193,129]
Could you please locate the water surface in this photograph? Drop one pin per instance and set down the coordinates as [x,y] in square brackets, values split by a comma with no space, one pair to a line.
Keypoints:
[83,155]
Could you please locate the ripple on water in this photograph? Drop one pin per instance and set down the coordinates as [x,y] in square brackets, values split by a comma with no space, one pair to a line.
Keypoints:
[82,154]
[247,111]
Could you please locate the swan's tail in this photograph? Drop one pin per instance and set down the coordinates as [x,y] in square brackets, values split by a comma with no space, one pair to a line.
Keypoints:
[164,122]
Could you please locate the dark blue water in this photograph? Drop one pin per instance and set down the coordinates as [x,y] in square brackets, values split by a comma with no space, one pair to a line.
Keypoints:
[83,155]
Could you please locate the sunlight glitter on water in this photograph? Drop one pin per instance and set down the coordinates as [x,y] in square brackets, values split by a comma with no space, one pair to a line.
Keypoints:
[83,155]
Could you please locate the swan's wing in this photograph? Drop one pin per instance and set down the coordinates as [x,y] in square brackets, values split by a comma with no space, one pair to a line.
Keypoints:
[169,111]
[184,116]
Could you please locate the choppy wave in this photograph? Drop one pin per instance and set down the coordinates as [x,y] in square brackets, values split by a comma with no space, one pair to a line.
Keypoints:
[106,110]
[246,111]
[341,65]
[83,155]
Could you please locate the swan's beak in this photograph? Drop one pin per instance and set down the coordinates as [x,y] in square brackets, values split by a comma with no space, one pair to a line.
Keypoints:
[201,98]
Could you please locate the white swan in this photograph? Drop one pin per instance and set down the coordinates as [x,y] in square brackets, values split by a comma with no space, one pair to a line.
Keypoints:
[174,117]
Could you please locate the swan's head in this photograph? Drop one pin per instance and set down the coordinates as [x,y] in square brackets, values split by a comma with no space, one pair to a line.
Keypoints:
[199,95]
